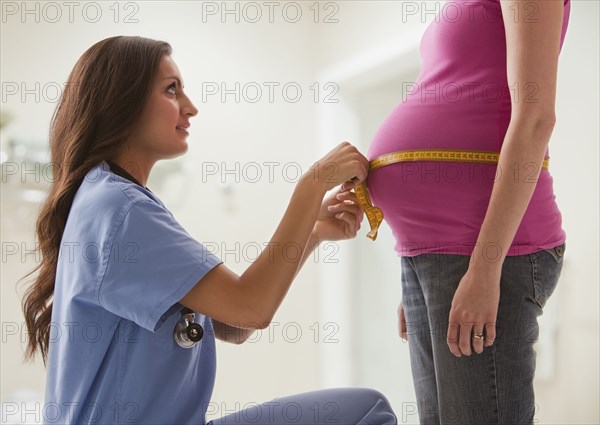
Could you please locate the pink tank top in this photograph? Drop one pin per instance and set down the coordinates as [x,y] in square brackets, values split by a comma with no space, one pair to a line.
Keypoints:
[461,100]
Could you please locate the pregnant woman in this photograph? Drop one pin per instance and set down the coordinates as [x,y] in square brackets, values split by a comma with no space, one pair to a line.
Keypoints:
[481,244]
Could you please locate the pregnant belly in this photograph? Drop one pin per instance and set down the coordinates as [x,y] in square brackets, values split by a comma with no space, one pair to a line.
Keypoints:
[443,203]
[430,204]
[432,196]
[421,126]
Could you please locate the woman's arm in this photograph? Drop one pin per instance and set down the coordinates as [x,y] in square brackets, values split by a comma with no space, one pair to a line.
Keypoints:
[250,301]
[533,40]
[533,31]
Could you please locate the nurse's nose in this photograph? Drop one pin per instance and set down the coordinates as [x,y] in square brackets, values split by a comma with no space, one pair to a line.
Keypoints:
[188,107]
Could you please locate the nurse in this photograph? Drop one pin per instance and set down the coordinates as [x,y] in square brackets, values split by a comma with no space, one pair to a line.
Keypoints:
[120,276]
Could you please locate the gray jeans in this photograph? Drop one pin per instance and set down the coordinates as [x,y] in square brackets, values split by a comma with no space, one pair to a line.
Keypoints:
[496,386]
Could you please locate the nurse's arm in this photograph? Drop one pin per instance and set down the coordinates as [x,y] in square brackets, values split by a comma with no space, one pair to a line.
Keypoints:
[249,301]
[236,335]
[231,334]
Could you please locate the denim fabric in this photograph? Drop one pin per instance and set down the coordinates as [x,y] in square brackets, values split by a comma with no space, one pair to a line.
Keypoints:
[496,386]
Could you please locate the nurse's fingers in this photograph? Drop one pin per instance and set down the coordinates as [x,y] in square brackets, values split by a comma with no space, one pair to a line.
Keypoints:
[351,227]
[344,206]
[347,195]
[348,185]
[351,208]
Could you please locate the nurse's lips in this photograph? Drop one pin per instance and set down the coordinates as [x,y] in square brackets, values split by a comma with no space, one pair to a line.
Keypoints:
[183,127]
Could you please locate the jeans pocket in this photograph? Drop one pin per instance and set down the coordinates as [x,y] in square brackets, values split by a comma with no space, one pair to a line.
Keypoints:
[557,252]
[547,265]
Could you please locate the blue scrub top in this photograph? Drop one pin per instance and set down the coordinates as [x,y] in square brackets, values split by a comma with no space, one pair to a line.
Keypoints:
[124,263]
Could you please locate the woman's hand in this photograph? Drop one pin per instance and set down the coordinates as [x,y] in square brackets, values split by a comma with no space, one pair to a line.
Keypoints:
[402,321]
[341,164]
[474,311]
[339,217]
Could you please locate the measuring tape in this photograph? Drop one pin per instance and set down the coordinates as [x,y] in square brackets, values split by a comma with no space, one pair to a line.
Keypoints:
[375,215]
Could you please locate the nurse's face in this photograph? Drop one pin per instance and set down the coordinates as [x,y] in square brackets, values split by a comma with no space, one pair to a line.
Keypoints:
[162,130]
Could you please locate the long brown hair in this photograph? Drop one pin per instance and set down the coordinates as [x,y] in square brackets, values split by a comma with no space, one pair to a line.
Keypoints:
[102,101]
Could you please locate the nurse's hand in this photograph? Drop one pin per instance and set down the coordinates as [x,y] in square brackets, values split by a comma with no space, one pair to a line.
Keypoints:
[339,217]
[341,164]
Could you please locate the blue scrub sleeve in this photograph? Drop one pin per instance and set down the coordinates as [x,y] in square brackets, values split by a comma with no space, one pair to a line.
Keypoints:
[152,264]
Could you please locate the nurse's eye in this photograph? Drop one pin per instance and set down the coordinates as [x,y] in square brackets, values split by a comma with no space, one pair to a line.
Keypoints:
[172,86]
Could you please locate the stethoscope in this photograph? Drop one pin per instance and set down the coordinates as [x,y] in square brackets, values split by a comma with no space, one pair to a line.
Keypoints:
[186,332]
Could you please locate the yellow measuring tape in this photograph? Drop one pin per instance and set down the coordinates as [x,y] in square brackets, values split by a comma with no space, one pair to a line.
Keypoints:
[375,215]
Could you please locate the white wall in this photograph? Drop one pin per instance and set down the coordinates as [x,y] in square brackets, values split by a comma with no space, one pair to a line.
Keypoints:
[572,395]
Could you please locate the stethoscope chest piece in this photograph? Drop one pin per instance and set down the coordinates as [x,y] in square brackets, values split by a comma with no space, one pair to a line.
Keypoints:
[186,332]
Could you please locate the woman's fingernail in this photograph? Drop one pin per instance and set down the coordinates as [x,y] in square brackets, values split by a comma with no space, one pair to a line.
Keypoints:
[330,207]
